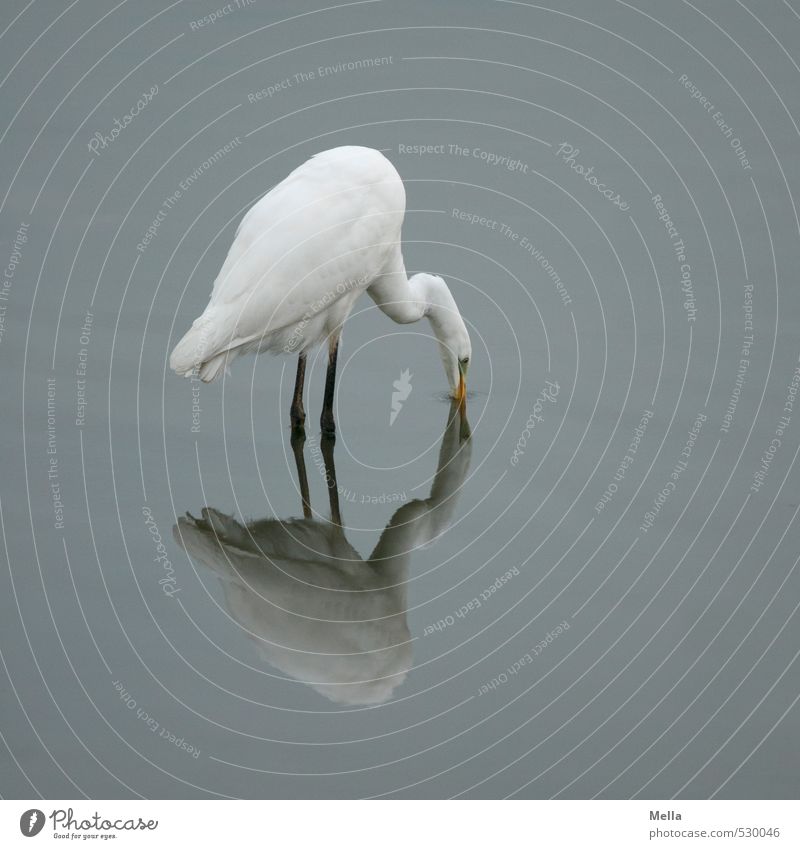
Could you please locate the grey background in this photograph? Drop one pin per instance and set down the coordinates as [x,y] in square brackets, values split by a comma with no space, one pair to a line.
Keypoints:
[678,675]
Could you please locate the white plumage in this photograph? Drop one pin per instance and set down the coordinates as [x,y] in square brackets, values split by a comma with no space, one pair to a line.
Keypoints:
[301,257]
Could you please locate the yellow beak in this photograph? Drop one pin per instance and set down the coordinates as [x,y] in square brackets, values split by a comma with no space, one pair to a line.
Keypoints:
[461,392]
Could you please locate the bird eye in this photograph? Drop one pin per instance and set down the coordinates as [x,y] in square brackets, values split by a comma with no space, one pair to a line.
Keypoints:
[465,360]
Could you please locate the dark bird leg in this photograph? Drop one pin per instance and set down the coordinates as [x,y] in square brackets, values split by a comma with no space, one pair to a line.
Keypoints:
[326,445]
[298,441]
[326,419]
[298,414]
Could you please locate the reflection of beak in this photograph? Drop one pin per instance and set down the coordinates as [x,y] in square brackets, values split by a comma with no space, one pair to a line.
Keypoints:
[464,431]
[461,392]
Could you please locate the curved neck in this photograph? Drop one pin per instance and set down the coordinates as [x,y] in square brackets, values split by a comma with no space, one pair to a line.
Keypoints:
[404,300]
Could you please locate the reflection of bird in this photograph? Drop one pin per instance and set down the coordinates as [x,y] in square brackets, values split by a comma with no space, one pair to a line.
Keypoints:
[301,257]
[316,610]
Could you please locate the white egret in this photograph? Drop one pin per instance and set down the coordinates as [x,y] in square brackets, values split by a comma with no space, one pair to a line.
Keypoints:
[314,608]
[301,257]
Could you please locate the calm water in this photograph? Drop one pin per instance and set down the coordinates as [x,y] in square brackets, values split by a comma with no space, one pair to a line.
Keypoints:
[594,593]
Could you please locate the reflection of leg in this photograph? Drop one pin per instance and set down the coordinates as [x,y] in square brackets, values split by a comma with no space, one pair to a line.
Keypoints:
[298,441]
[326,419]
[330,478]
[298,414]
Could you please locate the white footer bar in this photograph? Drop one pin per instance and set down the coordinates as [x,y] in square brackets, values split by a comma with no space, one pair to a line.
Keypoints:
[388,824]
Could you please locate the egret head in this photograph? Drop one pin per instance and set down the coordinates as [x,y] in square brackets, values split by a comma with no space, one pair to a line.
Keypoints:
[451,334]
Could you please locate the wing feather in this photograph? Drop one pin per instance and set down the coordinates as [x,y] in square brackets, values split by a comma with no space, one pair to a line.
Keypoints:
[324,231]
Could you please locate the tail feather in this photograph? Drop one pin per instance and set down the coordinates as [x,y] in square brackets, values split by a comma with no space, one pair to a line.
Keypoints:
[198,351]
[211,368]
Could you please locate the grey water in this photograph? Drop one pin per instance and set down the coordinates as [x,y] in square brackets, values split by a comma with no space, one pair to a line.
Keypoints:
[585,584]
